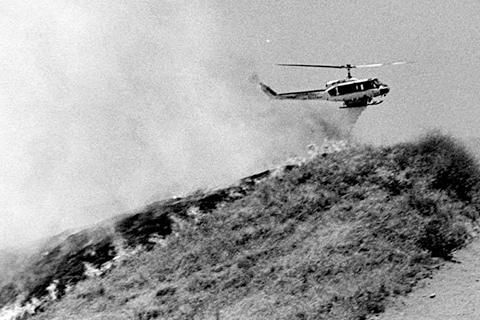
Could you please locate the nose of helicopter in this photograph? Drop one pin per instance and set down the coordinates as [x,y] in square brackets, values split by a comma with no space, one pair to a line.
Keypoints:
[384,90]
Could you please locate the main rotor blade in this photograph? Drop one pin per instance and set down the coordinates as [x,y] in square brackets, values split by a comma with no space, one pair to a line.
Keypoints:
[310,65]
[382,64]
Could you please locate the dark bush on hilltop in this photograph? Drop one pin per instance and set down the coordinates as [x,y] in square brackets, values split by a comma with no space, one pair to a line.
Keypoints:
[138,229]
[450,164]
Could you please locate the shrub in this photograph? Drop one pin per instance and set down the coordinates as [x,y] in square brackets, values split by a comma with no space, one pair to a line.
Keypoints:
[441,236]
[452,166]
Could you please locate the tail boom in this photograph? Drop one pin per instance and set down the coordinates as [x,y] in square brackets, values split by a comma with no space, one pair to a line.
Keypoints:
[300,95]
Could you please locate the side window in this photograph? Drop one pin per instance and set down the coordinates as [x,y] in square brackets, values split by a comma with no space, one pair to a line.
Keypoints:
[346,89]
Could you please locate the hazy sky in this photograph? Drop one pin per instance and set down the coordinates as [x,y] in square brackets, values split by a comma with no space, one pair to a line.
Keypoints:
[107,105]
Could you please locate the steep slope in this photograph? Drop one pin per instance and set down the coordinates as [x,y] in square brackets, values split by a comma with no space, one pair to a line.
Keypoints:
[334,237]
[62,261]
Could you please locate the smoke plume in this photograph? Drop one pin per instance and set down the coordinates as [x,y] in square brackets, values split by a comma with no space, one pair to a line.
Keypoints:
[110,105]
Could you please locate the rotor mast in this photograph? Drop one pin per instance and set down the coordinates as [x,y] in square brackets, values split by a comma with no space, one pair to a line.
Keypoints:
[349,67]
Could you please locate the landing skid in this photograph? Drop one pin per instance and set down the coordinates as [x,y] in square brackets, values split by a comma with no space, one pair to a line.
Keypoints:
[373,103]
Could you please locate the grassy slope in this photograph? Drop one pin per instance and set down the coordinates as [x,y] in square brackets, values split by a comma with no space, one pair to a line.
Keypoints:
[333,238]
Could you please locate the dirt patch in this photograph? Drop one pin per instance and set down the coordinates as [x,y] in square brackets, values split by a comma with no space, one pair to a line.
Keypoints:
[453,293]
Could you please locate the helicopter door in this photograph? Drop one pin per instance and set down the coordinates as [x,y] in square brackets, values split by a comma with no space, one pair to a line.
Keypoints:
[346,89]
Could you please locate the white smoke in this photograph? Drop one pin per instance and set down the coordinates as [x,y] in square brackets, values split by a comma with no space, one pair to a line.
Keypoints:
[109,105]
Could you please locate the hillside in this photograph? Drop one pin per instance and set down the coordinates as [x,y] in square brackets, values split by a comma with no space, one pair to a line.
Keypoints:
[336,236]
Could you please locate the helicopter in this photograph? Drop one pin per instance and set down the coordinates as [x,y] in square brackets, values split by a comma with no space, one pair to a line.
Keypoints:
[354,93]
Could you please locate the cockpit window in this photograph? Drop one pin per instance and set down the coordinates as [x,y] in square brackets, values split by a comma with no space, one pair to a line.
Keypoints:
[368,85]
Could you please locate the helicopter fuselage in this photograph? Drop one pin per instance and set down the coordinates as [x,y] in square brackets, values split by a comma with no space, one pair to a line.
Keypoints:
[352,92]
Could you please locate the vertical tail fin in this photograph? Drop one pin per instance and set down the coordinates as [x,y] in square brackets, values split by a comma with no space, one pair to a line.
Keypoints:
[268,91]
[254,78]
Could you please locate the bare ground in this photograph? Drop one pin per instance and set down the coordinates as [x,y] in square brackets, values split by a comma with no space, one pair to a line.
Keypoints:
[453,293]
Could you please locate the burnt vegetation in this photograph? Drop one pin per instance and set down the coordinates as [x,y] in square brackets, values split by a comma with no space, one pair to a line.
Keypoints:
[335,237]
